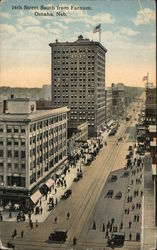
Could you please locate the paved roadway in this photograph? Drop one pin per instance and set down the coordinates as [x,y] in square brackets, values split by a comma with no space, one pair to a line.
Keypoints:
[81,205]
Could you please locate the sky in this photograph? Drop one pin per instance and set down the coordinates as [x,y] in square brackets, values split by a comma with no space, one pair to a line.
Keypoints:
[127,32]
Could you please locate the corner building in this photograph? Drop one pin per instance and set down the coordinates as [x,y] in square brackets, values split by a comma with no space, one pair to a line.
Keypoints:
[33,145]
[78,81]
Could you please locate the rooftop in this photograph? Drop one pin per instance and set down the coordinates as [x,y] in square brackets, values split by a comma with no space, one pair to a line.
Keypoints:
[33,116]
[80,41]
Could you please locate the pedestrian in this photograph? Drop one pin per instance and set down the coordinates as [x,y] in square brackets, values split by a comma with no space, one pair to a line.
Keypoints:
[130,223]
[37,223]
[94,225]
[133,207]
[55,220]
[22,233]
[135,217]
[68,215]
[106,233]
[15,232]
[10,215]
[41,210]
[130,236]
[112,220]
[31,225]
[137,236]
[74,241]
[138,218]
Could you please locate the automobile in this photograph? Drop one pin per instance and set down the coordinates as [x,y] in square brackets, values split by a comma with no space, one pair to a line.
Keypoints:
[116,239]
[79,174]
[126,173]
[59,235]
[76,179]
[127,157]
[109,193]
[67,193]
[113,178]
[118,195]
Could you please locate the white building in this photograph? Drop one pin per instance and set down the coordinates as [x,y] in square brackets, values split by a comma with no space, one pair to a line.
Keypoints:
[33,145]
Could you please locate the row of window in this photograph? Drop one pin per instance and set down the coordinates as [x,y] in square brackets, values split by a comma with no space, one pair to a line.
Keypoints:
[12,166]
[14,142]
[73,50]
[46,123]
[11,153]
[13,129]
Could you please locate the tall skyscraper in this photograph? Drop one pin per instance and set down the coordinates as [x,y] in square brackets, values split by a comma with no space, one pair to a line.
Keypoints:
[78,80]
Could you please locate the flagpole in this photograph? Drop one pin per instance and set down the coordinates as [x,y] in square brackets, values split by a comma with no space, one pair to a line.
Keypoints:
[147,79]
[100,36]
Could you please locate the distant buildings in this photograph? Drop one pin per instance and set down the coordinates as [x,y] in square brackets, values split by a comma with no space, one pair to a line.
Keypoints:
[46,92]
[78,80]
[33,145]
[118,100]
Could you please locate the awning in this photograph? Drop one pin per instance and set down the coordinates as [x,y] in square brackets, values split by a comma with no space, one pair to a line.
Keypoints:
[49,183]
[154,170]
[59,172]
[36,196]
[110,123]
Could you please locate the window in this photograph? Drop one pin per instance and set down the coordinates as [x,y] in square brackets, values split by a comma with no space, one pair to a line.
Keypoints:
[22,142]
[16,165]
[1,128]
[23,154]
[9,165]
[23,166]
[9,129]
[1,142]
[16,129]
[16,142]
[9,154]
[16,154]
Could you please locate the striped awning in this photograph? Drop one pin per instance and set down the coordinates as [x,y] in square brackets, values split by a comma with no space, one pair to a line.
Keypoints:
[49,183]
[36,196]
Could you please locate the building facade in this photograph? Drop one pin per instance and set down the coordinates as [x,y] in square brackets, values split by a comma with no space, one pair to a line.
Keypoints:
[108,104]
[150,111]
[33,144]
[78,80]
[77,135]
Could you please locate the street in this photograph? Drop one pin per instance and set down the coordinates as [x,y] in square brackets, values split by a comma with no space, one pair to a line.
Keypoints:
[85,203]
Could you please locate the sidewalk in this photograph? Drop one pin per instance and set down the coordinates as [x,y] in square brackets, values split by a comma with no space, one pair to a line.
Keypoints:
[149,231]
[44,203]
[133,202]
